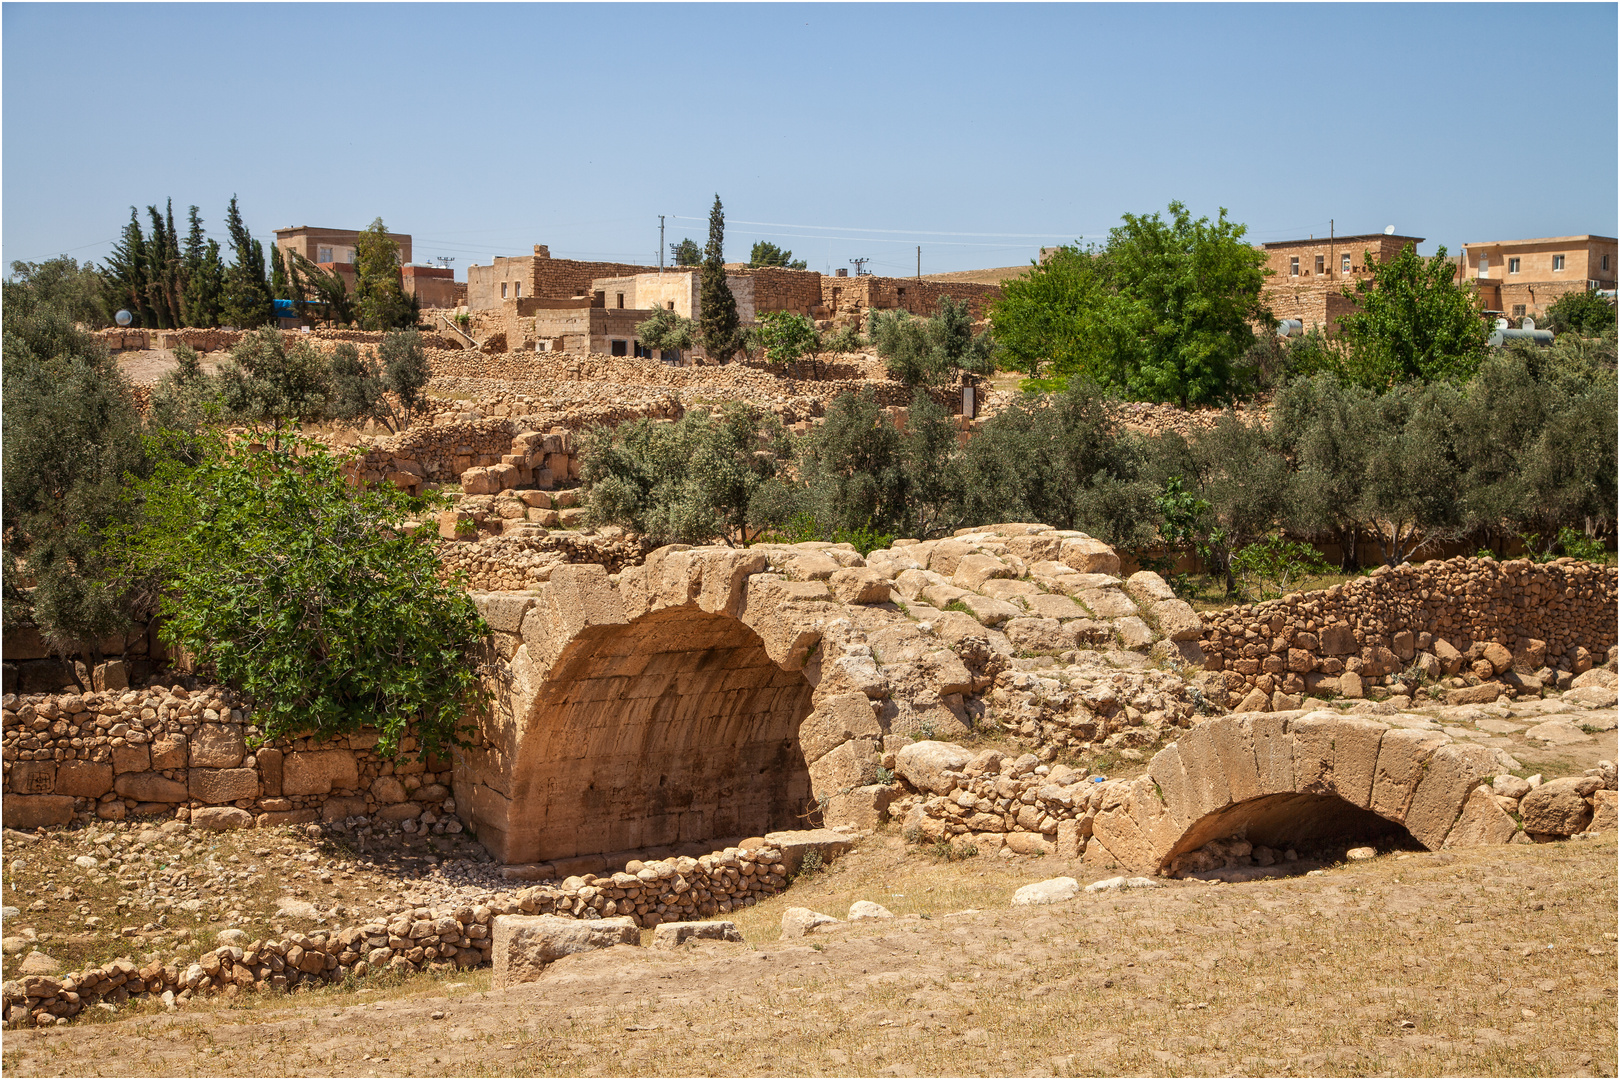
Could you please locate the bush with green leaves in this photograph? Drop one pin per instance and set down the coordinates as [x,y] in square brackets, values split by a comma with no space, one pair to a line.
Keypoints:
[1163,312]
[935,351]
[667,330]
[1415,321]
[285,581]
[846,339]
[73,289]
[1276,565]
[386,386]
[788,338]
[1580,312]
[72,439]
[765,253]
[690,482]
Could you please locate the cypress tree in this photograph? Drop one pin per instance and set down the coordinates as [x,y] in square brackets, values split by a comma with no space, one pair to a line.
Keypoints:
[126,277]
[246,300]
[719,308]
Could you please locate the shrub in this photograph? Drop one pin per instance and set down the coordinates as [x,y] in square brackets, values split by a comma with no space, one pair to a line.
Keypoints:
[285,581]
[1274,565]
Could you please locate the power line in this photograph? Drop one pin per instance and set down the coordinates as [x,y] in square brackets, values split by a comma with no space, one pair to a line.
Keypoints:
[856,228]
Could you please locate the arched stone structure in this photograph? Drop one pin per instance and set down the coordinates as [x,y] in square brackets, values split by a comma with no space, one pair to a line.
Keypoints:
[1279,777]
[664,704]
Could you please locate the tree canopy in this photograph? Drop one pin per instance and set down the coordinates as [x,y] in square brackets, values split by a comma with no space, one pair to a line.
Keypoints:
[932,351]
[686,253]
[1414,321]
[1163,312]
[766,253]
[379,299]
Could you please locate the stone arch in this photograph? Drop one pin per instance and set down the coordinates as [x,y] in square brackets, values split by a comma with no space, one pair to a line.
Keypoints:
[660,705]
[1286,776]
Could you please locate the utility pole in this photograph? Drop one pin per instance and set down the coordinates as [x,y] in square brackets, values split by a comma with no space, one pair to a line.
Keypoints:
[660,241]
[1331,271]
[859,265]
[919,262]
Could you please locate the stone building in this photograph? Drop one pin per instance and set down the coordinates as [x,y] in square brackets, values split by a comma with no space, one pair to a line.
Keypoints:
[1308,277]
[434,286]
[334,249]
[1522,277]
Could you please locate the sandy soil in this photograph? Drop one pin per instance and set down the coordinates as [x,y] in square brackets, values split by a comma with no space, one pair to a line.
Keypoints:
[1489,961]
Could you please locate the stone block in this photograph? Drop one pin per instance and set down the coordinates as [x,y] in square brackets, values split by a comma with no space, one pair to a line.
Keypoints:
[1403,754]
[1088,556]
[397,811]
[1604,803]
[37,811]
[217,746]
[316,772]
[990,612]
[1559,807]
[1497,656]
[86,779]
[1177,620]
[864,807]
[1038,635]
[1052,891]
[859,585]
[223,785]
[132,758]
[1482,822]
[934,767]
[33,778]
[674,934]
[150,787]
[1134,634]
[1483,694]
[1453,772]
[836,719]
[521,946]
[798,922]
[170,750]
[972,571]
[849,765]
[219,818]
[388,789]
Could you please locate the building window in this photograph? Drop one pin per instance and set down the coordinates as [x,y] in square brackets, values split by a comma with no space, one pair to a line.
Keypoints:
[1319,268]
[1558,262]
[670,305]
[619,348]
[1344,264]
[621,298]
[1484,266]
[323,254]
[1605,262]
[1293,266]
[1513,266]
[1518,311]
[517,290]
[503,290]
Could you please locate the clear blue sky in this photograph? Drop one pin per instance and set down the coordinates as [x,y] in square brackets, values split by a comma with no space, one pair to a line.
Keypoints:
[980,132]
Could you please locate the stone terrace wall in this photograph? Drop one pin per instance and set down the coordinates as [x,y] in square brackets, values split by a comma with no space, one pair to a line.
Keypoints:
[213,339]
[855,296]
[185,753]
[780,289]
[1377,625]
[416,938]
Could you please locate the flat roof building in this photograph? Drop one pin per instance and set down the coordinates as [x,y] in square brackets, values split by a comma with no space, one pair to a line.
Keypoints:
[1523,277]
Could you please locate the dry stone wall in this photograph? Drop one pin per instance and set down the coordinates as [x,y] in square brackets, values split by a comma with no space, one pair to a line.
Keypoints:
[1457,618]
[457,935]
[187,754]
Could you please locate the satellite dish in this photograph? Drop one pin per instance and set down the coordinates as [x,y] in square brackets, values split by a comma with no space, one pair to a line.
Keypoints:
[123,318]
[1389,230]
[1527,323]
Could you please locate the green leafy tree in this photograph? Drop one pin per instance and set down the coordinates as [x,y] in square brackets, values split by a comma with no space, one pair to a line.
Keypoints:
[935,351]
[267,384]
[1275,565]
[246,299]
[387,387]
[1581,312]
[379,299]
[72,434]
[165,272]
[1326,427]
[664,329]
[718,316]
[1415,321]
[686,253]
[287,582]
[846,339]
[1164,312]
[62,283]
[280,283]
[788,338]
[850,471]
[765,253]
[689,482]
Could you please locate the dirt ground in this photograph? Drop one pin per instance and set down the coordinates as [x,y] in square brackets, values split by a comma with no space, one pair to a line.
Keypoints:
[1492,961]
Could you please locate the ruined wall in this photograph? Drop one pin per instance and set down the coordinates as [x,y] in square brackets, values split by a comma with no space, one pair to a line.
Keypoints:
[779,289]
[213,339]
[1378,625]
[174,751]
[850,298]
